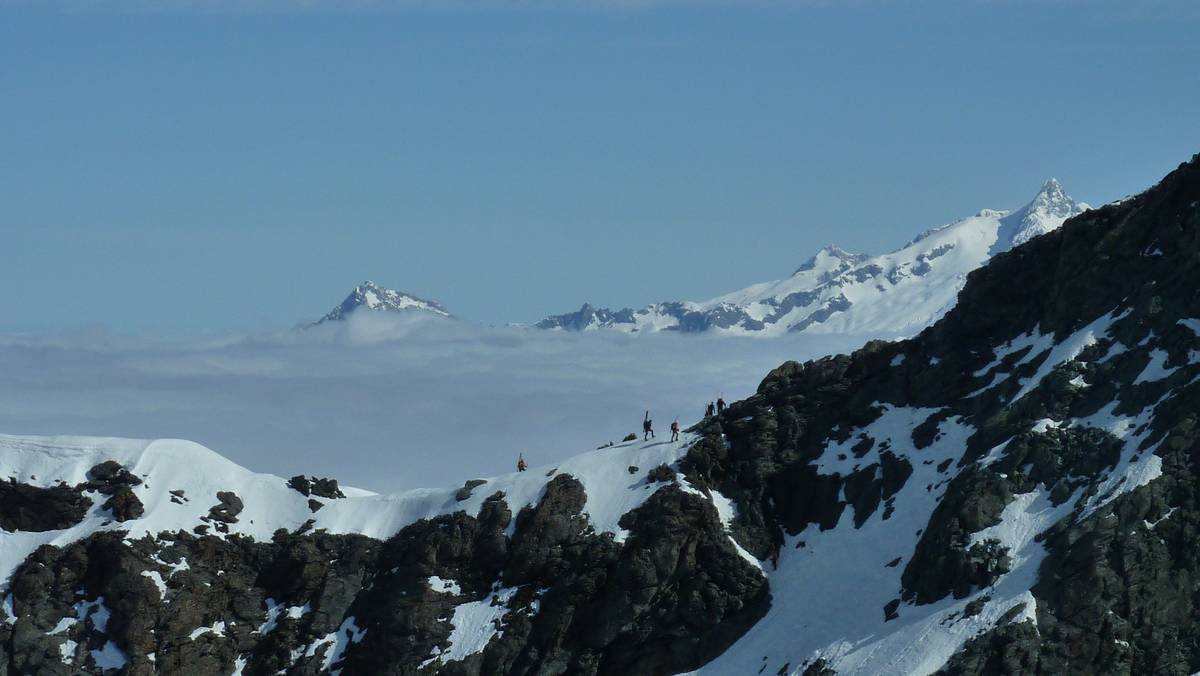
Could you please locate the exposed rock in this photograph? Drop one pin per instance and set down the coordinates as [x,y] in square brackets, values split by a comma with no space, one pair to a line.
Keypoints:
[31,508]
[661,473]
[124,505]
[322,488]
[465,492]
[108,476]
[227,509]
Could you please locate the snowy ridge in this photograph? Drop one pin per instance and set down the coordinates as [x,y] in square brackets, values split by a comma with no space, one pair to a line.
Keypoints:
[167,465]
[371,296]
[840,292]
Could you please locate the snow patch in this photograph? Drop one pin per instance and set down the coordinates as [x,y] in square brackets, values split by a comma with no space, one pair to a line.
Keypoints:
[1156,369]
[475,623]
[444,586]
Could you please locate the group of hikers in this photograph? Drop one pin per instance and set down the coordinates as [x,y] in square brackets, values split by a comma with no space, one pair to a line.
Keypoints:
[713,409]
[648,428]
[716,408]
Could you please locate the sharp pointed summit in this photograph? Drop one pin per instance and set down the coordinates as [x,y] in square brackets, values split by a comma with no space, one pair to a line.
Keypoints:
[371,296]
[1045,212]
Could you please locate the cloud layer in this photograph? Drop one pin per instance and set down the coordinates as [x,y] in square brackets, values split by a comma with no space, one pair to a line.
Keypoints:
[382,403]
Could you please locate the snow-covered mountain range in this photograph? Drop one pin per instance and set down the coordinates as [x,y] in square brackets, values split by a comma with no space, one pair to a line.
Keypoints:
[841,292]
[1014,490]
[373,297]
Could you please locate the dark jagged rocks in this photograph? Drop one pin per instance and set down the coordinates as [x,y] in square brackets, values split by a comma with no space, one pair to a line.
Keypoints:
[30,508]
[468,488]
[670,597]
[26,507]
[124,505]
[1113,597]
[320,487]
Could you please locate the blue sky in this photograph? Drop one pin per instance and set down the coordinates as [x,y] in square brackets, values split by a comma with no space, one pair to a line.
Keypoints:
[172,167]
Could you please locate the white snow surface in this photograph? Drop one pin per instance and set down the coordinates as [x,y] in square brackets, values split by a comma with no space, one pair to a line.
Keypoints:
[821,573]
[371,296]
[269,504]
[444,586]
[840,292]
[475,623]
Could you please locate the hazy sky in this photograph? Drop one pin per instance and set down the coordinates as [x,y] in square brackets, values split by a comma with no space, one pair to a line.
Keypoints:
[177,166]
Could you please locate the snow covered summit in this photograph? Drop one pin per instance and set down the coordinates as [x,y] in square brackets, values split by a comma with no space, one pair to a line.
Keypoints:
[371,296]
[841,292]
[1047,211]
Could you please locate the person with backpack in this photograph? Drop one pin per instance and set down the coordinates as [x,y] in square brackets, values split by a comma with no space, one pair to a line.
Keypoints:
[720,405]
[710,410]
[647,428]
[521,465]
[675,430]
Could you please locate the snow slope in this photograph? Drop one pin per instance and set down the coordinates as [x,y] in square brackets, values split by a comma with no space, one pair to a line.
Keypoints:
[166,465]
[840,292]
[831,585]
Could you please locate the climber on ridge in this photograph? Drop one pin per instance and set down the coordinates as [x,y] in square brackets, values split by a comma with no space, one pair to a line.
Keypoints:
[647,427]
[521,465]
[675,430]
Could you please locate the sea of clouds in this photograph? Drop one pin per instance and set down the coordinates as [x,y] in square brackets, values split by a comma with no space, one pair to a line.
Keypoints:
[383,402]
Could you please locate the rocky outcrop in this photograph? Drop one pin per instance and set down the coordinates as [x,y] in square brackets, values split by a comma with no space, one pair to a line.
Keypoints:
[1114,594]
[124,505]
[31,508]
[320,487]
[568,600]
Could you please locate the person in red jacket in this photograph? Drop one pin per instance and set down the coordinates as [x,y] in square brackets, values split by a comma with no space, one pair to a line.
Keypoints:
[521,466]
[675,430]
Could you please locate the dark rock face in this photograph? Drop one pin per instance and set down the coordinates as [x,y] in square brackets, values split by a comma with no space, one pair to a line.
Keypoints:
[227,508]
[674,594]
[1114,595]
[660,473]
[24,507]
[469,487]
[29,508]
[320,487]
[124,505]
[108,476]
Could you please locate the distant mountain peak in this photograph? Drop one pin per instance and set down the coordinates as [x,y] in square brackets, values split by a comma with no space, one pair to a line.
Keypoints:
[1045,212]
[372,296]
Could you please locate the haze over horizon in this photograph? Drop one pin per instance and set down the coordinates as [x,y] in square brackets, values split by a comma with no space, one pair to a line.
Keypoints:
[209,169]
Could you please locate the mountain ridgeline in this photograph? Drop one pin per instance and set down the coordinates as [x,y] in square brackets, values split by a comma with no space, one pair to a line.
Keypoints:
[1016,490]
[841,292]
